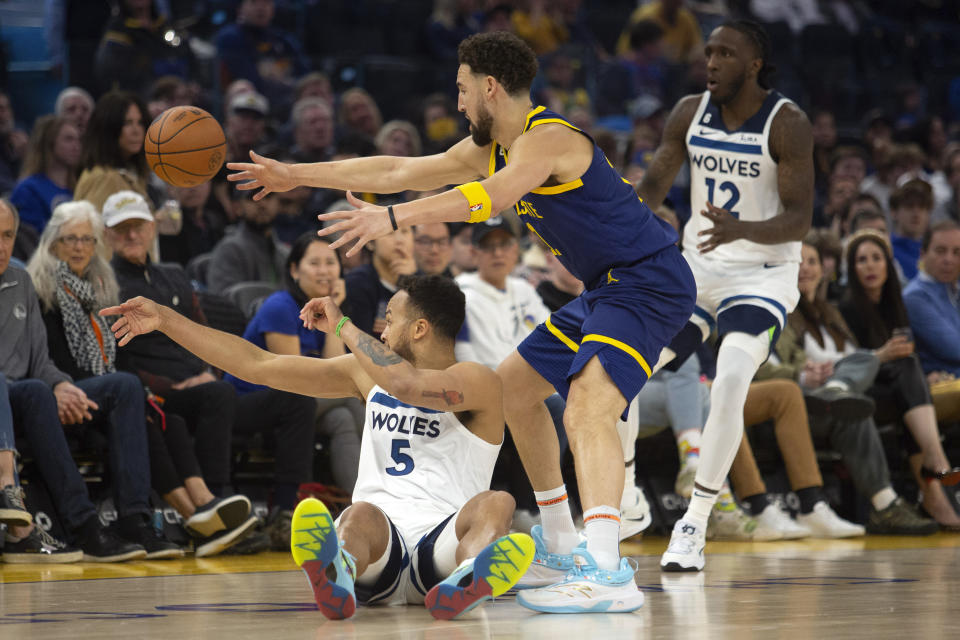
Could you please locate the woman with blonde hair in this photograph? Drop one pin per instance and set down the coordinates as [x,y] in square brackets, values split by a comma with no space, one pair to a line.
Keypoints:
[398,138]
[359,112]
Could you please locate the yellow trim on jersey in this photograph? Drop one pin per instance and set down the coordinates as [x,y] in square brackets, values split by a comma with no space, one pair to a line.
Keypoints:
[553,121]
[562,338]
[560,188]
[532,113]
[596,337]
[530,226]
[493,160]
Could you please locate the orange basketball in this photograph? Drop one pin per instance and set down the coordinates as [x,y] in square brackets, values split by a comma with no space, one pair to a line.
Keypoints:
[185,146]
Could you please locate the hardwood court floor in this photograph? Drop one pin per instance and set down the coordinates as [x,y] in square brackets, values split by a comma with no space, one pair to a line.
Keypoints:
[873,587]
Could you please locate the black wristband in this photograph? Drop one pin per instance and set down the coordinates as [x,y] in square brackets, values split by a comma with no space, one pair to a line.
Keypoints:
[393,221]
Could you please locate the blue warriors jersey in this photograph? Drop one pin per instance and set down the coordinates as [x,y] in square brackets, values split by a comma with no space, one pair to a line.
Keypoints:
[594,223]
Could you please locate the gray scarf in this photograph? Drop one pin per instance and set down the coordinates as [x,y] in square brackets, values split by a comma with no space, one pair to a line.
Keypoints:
[78,306]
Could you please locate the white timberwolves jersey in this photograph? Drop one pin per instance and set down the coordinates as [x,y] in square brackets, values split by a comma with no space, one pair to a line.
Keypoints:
[419,465]
[734,170]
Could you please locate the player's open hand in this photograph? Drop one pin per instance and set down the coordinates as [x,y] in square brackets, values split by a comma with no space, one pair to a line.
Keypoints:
[321,314]
[365,223]
[726,228]
[138,316]
[268,175]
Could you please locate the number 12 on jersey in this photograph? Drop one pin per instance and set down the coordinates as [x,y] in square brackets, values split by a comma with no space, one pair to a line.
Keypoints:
[404,461]
[731,189]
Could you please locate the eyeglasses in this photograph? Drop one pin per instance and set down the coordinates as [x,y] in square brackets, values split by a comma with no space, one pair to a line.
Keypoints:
[72,240]
[427,242]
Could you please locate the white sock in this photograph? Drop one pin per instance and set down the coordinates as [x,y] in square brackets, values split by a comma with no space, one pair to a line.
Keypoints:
[558,531]
[445,549]
[883,498]
[602,525]
[701,503]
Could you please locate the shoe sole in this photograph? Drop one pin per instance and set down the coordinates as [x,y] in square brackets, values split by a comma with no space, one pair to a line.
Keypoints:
[612,605]
[227,540]
[630,527]
[676,567]
[41,558]
[164,554]
[314,545]
[16,518]
[232,512]
[120,557]
[496,570]
[841,409]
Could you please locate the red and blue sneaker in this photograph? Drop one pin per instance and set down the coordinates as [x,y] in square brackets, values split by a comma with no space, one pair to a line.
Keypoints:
[317,550]
[492,573]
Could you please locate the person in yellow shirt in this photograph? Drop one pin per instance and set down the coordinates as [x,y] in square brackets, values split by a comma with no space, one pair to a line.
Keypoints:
[682,38]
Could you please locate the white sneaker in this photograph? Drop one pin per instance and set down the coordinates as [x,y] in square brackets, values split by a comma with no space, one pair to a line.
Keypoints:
[824,523]
[775,518]
[686,476]
[685,551]
[730,522]
[634,513]
[546,568]
[588,589]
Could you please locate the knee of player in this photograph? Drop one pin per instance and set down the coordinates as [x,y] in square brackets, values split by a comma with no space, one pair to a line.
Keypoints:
[499,505]
[360,514]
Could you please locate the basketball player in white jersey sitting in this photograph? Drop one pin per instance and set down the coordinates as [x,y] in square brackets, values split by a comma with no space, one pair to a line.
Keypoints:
[422,510]
[751,190]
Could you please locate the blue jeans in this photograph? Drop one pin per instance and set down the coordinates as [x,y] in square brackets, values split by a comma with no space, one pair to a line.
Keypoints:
[32,409]
[7,441]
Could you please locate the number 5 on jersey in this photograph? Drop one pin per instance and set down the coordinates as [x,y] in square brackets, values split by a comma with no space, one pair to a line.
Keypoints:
[404,461]
[731,189]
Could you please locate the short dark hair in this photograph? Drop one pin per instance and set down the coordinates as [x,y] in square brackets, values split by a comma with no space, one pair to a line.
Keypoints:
[943,225]
[643,33]
[502,55]
[100,140]
[297,250]
[864,215]
[757,35]
[439,300]
[914,192]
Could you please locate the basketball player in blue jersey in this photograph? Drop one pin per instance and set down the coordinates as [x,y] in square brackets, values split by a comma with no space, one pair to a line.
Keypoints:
[596,351]
[424,526]
[751,185]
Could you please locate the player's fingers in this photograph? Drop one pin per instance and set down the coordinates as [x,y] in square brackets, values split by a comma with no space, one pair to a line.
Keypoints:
[250,183]
[263,193]
[355,201]
[335,215]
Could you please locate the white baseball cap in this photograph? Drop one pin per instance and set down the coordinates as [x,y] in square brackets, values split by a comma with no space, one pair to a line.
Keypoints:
[123,206]
[250,101]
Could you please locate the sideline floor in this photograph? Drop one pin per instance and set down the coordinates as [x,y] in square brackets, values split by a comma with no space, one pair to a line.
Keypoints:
[875,587]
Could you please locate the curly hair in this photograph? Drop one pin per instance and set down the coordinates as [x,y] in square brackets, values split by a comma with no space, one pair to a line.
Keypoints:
[502,55]
[439,300]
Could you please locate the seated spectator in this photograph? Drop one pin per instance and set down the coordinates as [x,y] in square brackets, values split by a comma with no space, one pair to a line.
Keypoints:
[42,399]
[13,146]
[818,350]
[315,85]
[398,138]
[560,286]
[245,130]
[636,72]
[73,283]
[893,162]
[682,38]
[370,286]
[824,129]
[168,92]
[312,130]
[950,210]
[75,104]
[431,249]
[49,171]
[210,406]
[462,256]
[359,113]
[865,213]
[202,227]
[254,50]
[831,215]
[313,271]
[252,253]
[441,128]
[874,311]
[910,207]
[540,25]
[450,23]
[139,45]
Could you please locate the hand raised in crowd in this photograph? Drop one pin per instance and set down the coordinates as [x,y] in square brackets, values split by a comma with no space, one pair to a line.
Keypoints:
[365,223]
[263,173]
[321,314]
[899,346]
[73,405]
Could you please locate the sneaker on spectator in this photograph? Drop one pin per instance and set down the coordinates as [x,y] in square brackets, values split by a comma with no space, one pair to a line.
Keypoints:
[217,515]
[103,544]
[12,511]
[138,528]
[686,476]
[634,513]
[775,518]
[39,547]
[730,522]
[223,540]
[824,523]
[278,529]
[900,519]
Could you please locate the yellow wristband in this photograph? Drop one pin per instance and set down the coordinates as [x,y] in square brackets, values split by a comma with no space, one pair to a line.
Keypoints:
[478,200]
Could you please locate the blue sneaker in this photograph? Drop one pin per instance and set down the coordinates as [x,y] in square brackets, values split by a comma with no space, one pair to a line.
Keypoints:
[493,572]
[317,550]
[588,589]
[547,568]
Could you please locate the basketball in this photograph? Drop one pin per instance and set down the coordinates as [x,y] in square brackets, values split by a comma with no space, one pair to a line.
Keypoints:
[185,146]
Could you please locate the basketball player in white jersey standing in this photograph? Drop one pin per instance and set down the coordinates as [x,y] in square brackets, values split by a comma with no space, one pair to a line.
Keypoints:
[424,526]
[751,186]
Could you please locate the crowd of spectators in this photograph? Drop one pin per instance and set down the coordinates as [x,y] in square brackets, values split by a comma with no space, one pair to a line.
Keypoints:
[879,322]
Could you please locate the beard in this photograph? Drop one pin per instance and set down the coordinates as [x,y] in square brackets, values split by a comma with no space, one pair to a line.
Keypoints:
[735,86]
[482,130]
[402,349]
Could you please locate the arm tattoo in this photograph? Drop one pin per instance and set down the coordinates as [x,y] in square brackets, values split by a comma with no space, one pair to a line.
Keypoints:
[451,397]
[379,353]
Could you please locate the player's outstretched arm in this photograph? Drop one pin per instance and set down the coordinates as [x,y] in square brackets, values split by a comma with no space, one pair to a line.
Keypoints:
[377,174]
[670,155]
[322,378]
[465,386]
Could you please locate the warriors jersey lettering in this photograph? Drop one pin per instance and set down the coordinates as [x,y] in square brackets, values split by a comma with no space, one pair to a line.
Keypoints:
[593,223]
[734,170]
